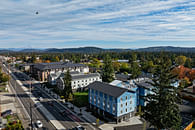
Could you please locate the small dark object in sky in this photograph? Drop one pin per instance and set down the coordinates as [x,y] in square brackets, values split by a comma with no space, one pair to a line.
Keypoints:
[37,12]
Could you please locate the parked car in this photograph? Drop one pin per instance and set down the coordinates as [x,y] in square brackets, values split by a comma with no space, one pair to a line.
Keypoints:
[39,124]
[6,113]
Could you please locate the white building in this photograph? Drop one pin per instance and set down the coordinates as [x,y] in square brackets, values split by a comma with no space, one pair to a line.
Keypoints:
[79,81]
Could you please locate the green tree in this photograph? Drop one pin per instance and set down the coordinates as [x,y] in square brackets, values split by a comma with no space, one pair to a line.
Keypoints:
[133,57]
[95,63]
[124,67]
[188,63]
[135,70]
[161,110]
[57,59]
[67,85]
[116,66]
[148,66]
[180,60]
[3,77]
[108,70]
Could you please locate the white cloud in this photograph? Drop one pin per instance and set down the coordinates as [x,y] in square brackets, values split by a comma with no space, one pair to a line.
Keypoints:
[88,20]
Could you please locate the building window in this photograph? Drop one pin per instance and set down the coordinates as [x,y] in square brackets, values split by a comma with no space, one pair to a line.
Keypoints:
[78,81]
[126,109]
[130,102]
[82,80]
[85,80]
[113,107]
[121,105]
[130,97]
[121,99]
[98,101]
[126,103]
[126,97]
[121,111]
[108,106]
[130,108]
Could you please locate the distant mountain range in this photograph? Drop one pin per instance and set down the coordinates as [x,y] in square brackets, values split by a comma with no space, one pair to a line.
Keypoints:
[98,50]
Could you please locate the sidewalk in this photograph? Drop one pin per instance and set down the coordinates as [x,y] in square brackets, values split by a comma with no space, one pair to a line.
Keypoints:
[132,121]
[11,103]
[86,115]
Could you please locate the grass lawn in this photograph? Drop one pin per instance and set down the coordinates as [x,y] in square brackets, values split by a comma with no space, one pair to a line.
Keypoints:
[80,99]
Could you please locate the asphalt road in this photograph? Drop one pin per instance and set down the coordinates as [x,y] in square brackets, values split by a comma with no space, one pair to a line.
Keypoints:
[26,101]
[61,114]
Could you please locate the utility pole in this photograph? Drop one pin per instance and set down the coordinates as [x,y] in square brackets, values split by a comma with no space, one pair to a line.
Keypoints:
[31,120]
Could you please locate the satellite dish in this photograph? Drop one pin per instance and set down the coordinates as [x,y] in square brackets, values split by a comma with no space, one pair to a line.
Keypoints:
[37,12]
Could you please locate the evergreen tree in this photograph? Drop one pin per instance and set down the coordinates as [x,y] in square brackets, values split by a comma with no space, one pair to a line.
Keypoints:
[161,110]
[67,83]
[135,70]
[188,63]
[108,70]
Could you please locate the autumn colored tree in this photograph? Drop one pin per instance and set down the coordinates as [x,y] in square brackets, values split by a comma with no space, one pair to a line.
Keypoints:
[116,66]
[180,60]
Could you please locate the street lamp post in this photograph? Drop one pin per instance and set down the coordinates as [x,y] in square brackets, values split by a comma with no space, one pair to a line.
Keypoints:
[31,119]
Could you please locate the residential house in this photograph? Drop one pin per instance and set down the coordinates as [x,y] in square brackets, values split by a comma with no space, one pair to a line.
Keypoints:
[112,102]
[79,81]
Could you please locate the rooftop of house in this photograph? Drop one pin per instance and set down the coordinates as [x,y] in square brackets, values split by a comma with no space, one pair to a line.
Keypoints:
[76,76]
[57,65]
[108,89]
[145,84]
[122,77]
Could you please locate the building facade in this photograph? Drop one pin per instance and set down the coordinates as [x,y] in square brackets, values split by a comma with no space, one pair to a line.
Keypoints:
[79,81]
[41,71]
[112,102]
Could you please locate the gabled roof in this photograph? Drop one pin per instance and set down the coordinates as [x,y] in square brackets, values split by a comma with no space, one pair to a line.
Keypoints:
[145,84]
[108,89]
[56,65]
[81,75]
[122,77]
[84,76]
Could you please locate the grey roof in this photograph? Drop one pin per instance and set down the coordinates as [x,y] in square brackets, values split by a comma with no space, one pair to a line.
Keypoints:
[107,88]
[145,84]
[84,76]
[56,65]
[122,77]
[81,75]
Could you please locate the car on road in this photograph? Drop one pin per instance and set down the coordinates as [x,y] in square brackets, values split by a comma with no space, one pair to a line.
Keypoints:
[50,103]
[6,113]
[80,128]
[39,124]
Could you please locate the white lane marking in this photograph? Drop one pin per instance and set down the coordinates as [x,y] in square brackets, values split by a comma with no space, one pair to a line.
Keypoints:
[65,108]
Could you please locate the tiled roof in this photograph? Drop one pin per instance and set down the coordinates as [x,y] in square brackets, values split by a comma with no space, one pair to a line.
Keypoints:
[107,88]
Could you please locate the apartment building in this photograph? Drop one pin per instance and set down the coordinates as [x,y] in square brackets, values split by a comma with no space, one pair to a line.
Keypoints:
[112,102]
[79,81]
[41,70]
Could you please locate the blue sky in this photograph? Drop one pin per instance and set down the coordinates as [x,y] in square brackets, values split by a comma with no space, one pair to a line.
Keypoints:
[100,23]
